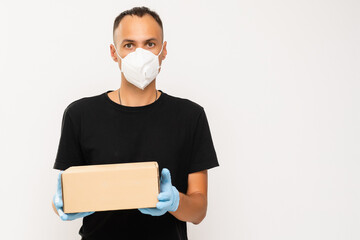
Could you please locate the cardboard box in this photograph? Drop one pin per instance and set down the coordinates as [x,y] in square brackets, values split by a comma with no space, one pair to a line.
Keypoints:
[110,187]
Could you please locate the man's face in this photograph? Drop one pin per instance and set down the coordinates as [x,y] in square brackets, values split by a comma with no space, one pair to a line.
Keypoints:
[134,32]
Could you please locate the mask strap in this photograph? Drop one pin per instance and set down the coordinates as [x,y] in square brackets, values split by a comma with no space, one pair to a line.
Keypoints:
[160,53]
[161,49]
[117,53]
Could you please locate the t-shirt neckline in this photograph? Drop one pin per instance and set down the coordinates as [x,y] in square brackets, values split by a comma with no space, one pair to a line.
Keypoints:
[134,108]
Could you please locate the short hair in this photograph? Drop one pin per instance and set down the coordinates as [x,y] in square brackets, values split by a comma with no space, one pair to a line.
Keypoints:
[138,11]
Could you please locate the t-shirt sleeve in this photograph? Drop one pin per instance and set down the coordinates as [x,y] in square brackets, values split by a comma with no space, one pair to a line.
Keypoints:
[203,155]
[69,150]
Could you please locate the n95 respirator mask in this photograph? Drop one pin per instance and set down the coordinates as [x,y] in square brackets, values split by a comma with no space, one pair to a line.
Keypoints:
[140,67]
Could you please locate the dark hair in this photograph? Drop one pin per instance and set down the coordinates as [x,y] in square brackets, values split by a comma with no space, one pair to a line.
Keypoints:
[138,11]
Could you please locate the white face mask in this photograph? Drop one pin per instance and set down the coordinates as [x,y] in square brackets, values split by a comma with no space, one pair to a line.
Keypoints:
[140,67]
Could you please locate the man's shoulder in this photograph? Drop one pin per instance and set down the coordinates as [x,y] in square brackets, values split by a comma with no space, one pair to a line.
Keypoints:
[185,104]
[80,104]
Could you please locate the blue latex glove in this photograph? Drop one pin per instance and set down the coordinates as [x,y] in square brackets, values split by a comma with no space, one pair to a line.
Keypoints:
[58,202]
[168,197]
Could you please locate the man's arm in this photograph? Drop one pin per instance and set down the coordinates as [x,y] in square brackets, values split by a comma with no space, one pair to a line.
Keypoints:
[54,208]
[193,205]
[52,203]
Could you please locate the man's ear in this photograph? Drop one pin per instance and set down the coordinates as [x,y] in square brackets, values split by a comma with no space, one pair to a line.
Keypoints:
[113,53]
[164,50]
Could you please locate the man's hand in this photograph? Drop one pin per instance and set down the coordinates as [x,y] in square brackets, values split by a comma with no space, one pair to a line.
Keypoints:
[168,197]
[58,202]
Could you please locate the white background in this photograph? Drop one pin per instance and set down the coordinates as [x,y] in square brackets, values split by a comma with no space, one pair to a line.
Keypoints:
[279,81]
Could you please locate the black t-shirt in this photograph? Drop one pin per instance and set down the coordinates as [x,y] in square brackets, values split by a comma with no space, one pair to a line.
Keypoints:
[172,131]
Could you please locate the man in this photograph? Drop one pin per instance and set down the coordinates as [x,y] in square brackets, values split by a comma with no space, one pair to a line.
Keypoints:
[138,123]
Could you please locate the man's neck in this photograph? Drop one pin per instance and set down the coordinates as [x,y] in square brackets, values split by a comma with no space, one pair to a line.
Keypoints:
[133,96]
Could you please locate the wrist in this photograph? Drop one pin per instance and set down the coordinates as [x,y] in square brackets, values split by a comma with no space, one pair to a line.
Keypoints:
[176,202]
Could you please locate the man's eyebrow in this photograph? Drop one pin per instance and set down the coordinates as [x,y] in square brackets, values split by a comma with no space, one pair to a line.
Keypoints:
[147,40]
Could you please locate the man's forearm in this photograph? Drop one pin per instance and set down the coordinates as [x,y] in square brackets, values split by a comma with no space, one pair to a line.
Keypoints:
[54,208]
[192,208]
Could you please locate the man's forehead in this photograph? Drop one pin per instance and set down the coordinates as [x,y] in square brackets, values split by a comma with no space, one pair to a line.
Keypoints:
[136,29]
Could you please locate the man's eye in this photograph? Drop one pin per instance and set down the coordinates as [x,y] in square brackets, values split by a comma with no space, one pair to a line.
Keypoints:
[127,44]
[151,43]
